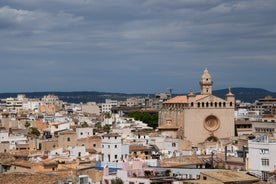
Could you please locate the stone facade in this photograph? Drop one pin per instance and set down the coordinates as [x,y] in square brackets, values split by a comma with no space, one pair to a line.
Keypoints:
[198,118]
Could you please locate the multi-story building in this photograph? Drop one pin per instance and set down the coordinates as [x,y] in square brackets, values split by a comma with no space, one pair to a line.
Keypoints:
[31,104]
[113,148]
[50,103]
[266,105]
[107,106]
[262,127]
[261,156]
[15,103]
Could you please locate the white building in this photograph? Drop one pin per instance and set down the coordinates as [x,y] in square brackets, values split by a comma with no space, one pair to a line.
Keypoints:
[77,152]
[12,140]
[106,107]
[113,148]
[84,132]
[54,127]
[15,103]
[261,156]
[31,104]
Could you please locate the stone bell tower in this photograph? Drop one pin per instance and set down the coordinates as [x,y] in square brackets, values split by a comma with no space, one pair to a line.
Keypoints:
[206,83]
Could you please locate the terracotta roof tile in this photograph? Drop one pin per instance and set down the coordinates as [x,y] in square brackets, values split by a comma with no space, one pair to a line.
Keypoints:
[183,99]
[27,178]
[177,99]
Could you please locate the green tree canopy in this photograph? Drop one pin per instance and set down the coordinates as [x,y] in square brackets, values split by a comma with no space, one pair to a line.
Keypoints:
[106,128]
[84,124]
[117,181]
[27,124]
[34,131]
[151,119]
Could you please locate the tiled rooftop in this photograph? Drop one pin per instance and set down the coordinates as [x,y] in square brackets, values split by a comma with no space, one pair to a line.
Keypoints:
[183,99]
[27,178]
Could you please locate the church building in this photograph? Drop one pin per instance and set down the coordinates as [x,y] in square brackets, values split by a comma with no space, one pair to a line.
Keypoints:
[198,117]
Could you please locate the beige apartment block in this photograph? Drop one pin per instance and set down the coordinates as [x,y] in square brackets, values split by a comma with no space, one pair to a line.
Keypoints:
[198,117]
[66,139]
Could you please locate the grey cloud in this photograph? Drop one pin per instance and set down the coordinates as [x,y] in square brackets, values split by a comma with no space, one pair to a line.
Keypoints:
[112,41]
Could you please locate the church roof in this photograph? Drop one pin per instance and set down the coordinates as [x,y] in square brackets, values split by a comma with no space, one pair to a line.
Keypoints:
[183,99]
[177,99]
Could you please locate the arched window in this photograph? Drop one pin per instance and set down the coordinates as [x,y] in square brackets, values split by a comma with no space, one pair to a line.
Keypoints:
[216,104]
[198,104]
[207,104]
[192,104]
[219,104]
[202,104]
[211,104]
[231,104]
[223,104]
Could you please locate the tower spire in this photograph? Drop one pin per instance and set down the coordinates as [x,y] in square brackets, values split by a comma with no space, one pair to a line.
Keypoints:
[206,83]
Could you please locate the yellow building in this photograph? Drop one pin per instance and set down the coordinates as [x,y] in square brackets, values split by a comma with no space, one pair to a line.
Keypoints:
[198,117]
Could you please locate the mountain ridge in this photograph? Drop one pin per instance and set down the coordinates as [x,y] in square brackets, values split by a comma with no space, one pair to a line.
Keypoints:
[241,93]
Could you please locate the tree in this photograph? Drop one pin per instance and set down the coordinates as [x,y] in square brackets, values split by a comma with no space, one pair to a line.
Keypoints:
[117,181]
[27,124]
[151,119]
[84,124]
[147,173]
[168,172]
[34,131]
[98,125]
[106,128]
[107,115]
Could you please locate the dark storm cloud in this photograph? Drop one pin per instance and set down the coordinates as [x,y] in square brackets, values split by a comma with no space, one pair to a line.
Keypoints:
[135,46]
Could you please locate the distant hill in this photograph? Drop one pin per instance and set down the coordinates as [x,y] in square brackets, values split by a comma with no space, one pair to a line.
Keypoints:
[243,94]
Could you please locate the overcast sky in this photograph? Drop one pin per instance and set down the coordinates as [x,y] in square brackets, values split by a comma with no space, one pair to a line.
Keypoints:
[136,46]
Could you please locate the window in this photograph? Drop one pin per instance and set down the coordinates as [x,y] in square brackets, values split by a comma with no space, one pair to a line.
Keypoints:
[115,156]
[173,144]
[265,162]
[94,145]
[81,133]
[264,151]
[108,146]
[68,139]
[115,146]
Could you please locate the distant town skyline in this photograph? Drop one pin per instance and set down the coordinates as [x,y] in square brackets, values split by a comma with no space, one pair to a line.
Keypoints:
[143,46]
